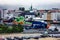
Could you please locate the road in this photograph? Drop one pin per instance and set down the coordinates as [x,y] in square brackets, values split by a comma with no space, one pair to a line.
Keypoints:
[27,35]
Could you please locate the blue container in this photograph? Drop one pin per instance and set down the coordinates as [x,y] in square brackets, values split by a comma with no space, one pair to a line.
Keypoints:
[37,25]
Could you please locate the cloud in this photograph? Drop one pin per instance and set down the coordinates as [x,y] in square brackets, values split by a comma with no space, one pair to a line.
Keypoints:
[27,3]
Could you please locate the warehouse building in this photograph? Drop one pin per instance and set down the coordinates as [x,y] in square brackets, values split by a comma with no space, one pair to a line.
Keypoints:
[50,14]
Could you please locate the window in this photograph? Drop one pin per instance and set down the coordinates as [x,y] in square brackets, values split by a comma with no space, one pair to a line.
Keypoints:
[26,17]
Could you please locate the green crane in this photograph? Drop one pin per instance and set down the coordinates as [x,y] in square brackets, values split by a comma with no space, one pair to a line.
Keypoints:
[21,20]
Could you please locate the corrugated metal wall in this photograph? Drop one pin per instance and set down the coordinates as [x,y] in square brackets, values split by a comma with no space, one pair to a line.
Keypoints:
[45,16]
[48,16]
[58,16]
[52,16]
[55,16]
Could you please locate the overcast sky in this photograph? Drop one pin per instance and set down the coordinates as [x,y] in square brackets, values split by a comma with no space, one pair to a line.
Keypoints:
[38,4]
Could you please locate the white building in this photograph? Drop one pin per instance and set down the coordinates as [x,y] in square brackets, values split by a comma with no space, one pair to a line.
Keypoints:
[51,16]
[11,13]
[37,19]
[29,15]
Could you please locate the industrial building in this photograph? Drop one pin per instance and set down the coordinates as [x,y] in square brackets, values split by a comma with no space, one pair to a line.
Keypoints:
[50,14]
